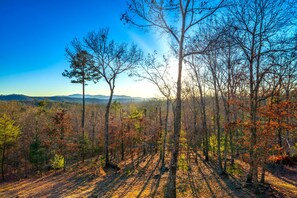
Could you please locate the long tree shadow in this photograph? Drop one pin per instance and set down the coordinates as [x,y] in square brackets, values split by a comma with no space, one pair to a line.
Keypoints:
[139,176]
[156,185]
[112,182]
[61,187]
[45,185]
[149,178]
[233,186]
[80,180]
[285,173]
[192,183]
[202,173]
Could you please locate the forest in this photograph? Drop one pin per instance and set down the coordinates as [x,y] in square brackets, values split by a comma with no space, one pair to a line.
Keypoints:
[225,126]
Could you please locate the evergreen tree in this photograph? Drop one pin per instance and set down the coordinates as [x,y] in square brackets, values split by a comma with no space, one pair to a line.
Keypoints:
[9,134]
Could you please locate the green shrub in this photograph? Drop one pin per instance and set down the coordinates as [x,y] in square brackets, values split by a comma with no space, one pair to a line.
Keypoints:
[37,153]
[213,143]
[182,163]
[84,145]
[57,162]
[234,170]
[100,162]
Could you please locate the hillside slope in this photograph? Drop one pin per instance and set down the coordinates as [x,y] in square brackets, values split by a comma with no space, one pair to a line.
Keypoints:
[86,180]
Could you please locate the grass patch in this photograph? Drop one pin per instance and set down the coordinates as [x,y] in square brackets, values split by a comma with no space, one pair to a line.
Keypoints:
[235,170]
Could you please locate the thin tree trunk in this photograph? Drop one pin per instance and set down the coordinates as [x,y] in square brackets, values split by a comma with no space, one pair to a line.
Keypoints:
[93,133]
[106,135]
[83,117]
[228,130]
[122,146]
[217,113]
[2,162]
[213,69]
[203,116]
[287,120]
[165,135]
[225,152]
[231,141]
[279,130]
[195,124]
[160,132]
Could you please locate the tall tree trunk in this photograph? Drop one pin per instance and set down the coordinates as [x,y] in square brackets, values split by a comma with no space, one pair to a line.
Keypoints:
[160,132]
[2,162]
[225,152]
[203,116]
[228,130]
[287,119]
[122,146]
[122,137]
[217,114]
[171,187]
[213,68]
[254,91]
[232,149]
[279,130]
[205,129]
[106,126]
[253,130]
[195,125]
[231,92]
[93,133]
[165,135]
[83,117]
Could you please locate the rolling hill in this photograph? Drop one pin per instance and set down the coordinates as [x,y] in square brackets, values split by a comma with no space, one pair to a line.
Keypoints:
[74,98]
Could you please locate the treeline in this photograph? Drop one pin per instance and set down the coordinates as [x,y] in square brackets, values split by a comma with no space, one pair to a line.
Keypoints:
[35,138]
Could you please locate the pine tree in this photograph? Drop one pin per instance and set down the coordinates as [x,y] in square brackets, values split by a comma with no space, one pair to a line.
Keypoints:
[9,134]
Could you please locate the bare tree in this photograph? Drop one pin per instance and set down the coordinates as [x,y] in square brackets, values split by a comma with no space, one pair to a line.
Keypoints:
[260,27]
[198,76]
[157,73]
[111,60]
[211,39]
[177,19]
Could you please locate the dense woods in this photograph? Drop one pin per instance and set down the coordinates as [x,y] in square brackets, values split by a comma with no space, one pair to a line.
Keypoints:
[234,99]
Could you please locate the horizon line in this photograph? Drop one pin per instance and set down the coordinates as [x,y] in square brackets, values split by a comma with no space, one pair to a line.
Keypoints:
[22,94]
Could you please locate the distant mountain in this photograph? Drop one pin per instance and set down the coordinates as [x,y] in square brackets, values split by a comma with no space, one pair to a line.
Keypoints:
[74,98]
[16,97]
[89,96]
[103,97]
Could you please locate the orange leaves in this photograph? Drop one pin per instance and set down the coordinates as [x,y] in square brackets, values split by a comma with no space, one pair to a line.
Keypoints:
[277,110]
[262,131]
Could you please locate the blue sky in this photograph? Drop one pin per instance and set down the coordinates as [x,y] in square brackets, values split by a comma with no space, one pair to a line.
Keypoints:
[34,34]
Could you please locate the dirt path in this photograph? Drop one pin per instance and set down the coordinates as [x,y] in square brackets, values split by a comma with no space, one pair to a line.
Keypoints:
[200,180]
